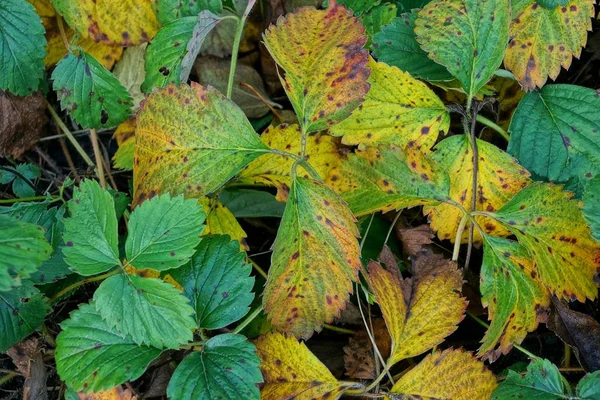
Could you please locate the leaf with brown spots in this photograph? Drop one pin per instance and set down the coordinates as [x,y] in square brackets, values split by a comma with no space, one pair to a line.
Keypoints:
[398,109]
[516,299]
[190,140]
[499,178]
[291,371]
[384,179]
[22,120]
[122,22]
[322,151]
[466,36]
[316,257]
[116,393]
[451,374]
[324,62]
[421,311]
[221,221]
[544,39]
[551,227]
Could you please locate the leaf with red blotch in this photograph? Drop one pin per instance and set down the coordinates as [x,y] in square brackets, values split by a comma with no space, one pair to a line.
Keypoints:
[321,52]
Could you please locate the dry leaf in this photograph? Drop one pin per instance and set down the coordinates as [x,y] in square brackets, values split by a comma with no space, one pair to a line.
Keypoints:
[21,123]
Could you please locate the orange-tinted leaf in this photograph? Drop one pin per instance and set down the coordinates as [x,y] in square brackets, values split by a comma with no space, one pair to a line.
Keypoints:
[291,371]
[191,141]
[545,39]
[419,312]
[316,257]
[451,374]
[274,170]
[324,62]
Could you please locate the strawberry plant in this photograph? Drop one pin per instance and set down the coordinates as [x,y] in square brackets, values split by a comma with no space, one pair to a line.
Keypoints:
[407,164]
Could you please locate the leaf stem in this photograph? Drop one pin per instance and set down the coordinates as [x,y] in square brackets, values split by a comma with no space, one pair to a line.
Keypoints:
[494,126]
[299,161]
[339,329]
[69,135]
[8,377]
[81,283]
[35,198]
[236,47]
[61,28]
[258,268]
[459,233]
[98,157]
[248,319]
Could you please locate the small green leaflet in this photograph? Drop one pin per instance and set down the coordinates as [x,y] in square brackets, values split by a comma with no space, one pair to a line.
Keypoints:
[23,47]
[250,203]
[150,311]
[20,187]
[170,10]
[51,270]
[468,37]
[226,368]
[164,232]
[91,356]
[22,311]
[23,248]
[217,282]
[591,206]
[171,54]
[91,237]
[562,142]
[376,18]
[38,213]
[397,45]
[93,96]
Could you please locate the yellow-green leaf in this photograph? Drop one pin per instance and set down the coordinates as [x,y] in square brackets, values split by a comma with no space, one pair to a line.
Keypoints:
[316,257]
[551,226]
[466,36]
[123,22]
[384,179]
[322,151]
[498,179]
[545,39]
[125,136]
[191,141]
[220,221]
[451,374]
[321,52]
[513,294]
[398,109]
[291,371]
[419,312]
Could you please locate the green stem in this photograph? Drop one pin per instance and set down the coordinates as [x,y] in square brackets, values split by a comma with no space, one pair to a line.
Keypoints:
[299,161]
[516,346]
[339,329]
[21,177]
[494,126]
[236,48]
[8,377]
[248,319]
[35,198]
[69,136]
[81,283]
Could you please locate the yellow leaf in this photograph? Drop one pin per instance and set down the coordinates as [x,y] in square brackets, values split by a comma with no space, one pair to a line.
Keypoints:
[152,273]
[219,220]
[509,95]
[545,39]
[322,152]
[122,22]
[116,393]
[321,52]
[398,109]
[316,256]
[125,131]
[291,371]
[499,178]
[419,312]
[45,10]
[451,374]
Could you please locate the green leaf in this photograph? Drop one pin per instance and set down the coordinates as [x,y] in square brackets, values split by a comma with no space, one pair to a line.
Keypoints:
[123,158]
[150,311]
[201,138]
[217,282]
[250,203]
[93,96]
[376,18]
[407,5]
[358,7]
[384,179]
[22,311]
[226,368]
[22,249]
[91,236]
[171,54]
[171,10]
[543,381]
[591,206]
[589,386]
[164,232]
[37,213]
[316,256]
[551,227]
[91,356]
[563,140]
[20,187]
[51,270]
[515,298]
[468,37]
[397,45]
[23,45]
